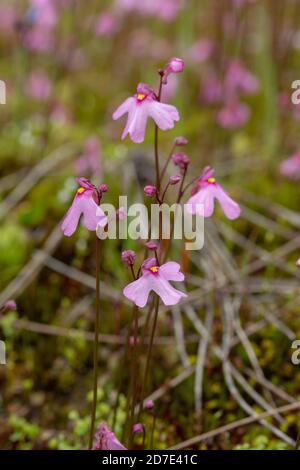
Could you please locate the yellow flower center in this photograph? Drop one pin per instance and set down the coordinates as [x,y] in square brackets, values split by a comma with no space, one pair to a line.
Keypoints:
[154,269]
[141,96]
[211,180]
[80,190]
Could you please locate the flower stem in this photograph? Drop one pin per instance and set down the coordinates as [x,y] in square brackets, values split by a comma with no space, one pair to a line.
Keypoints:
[96,344]
[135,371]
[148,357]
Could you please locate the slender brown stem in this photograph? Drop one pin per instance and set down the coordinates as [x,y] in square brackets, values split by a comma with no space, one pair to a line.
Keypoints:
[144,383]
[96,344]
[134,375]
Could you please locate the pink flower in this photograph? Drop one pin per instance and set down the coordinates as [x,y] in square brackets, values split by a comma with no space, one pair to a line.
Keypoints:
[298,262]
[44,13]
[39,39]
[106,24]
[166,9]
[233,115]
[141,106]
[155,278]
[8,17]
[212,90]
[205,193]
[84,204]
[201,50]
[39,86]
[239,79]
[90,161]
[291,166]
[106,440]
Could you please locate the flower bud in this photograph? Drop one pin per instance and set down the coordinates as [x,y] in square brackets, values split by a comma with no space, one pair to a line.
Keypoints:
[175,65]
[10,305]
[128,256]
[151,246]
[149,405]
[174,179]
[103,188]
[150,190]
[181,141]
[137,428]
[180,159]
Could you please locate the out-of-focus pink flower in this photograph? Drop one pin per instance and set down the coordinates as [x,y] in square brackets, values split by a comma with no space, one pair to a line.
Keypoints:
[84,204]
[39,86]
[212,90]
[239,80]
[298,262]
[39,39]
[8,18]
[90,161]
[291,166]
[155,278]
[60,114]
[240,3]
[106,440]
[9,306]
[233,115]
[201,51]
[149,405]
[205,193]
[107,24]
[137,428]
[44,13]
[139,108]
[175,65]
[166,9]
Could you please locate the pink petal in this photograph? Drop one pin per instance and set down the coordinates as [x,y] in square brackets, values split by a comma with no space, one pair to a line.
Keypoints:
[136,123]
[163,114]
[114,444]
[298,262]
[205,196]
[171,271]
[230,208]
[71,219]
[168,294]
[138,291]
[124,108]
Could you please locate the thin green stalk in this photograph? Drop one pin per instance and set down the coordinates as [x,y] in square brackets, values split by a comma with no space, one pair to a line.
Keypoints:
[96,344]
